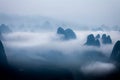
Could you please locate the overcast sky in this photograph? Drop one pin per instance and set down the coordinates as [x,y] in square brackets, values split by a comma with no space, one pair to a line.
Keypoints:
[89,12]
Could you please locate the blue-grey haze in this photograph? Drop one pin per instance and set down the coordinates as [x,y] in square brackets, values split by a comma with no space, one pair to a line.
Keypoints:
[88,12]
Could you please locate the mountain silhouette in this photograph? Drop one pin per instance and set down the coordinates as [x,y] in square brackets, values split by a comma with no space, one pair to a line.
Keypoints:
[70,34]
[66,34]
[106,39]
[4,67]
[60,30]
[116,52]
[98,36]
[3,58]
[91,41]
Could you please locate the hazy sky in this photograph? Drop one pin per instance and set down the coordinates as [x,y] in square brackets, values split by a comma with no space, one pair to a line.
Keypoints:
[90,12]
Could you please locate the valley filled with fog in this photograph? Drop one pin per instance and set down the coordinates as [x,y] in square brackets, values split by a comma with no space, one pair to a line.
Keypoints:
[61,49]
[36,49]
[59,40]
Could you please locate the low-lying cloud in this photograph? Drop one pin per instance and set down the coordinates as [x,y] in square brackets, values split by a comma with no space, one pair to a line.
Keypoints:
[36,49]
[98,68]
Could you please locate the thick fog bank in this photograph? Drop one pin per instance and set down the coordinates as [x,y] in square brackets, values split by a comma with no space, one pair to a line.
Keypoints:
[50,40]
[30,49]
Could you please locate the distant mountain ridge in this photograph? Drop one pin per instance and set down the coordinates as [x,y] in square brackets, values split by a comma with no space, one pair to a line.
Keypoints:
[37,23]
[32,23]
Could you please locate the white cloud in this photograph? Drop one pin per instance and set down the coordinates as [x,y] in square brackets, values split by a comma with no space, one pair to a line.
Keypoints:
[49,40]
[27,47]
[98,68]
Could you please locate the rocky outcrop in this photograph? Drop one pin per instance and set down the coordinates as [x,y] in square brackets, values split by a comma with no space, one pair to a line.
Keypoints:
[106,39]
[97,43]
[5,72]
[60,31]
[3,58]
[66,34]
[116,52]
[70,34]
[92,41]
[109,40]
[98,36]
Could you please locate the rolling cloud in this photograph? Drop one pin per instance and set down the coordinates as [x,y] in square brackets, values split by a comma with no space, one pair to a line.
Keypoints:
[36,49]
